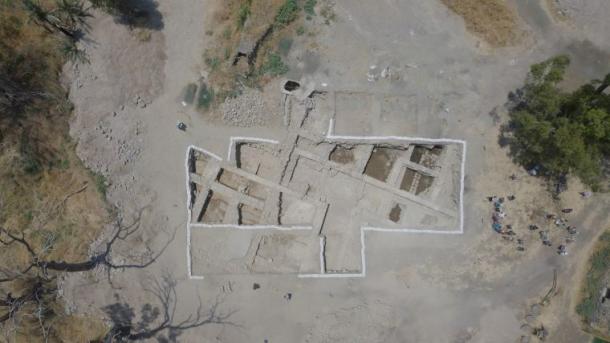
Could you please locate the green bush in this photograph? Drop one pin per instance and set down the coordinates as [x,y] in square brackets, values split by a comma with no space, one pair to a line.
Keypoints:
[212,62]
[205,97]
[189,93]
[287,13]
[100,184]
[274,65]
[244,13]
[309,7]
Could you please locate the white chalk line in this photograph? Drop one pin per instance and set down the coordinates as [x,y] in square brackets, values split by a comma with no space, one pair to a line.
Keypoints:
[233,140]
[329,136]
[251,227]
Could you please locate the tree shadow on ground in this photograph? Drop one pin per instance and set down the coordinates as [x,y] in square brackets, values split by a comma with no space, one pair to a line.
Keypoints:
[140,14]
[158,321]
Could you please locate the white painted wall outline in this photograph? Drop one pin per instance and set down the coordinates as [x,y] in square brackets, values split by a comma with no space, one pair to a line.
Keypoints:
[330,137]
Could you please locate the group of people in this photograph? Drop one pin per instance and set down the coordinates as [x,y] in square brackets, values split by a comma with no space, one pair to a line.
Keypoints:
[499,214]
[562,223]
[509,234]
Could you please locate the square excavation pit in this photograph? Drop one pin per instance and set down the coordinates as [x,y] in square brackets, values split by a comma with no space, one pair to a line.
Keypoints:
[231,180]
[214,209]
[217,251]
[380,163]
[306,203]
[295,212]
[249,215]
[258,159]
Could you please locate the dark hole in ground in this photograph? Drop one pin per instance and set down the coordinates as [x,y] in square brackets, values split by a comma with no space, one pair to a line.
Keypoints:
[395,213]
[291,85]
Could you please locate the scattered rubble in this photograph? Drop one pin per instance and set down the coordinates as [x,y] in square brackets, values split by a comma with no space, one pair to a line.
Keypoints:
[245,110]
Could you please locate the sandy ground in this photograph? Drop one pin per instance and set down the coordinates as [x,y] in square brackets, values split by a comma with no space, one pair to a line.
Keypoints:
[420,288]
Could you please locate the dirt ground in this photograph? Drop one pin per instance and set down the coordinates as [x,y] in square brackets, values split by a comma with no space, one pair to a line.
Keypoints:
[473,287]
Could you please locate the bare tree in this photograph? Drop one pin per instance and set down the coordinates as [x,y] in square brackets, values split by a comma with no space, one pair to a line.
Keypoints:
[103,258]
[35,304]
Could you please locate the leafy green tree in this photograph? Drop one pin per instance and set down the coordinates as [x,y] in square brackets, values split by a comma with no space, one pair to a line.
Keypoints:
[557,131]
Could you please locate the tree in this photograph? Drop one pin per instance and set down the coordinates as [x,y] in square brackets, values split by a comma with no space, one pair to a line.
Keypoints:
[556,131]
[28,290]
[68,17]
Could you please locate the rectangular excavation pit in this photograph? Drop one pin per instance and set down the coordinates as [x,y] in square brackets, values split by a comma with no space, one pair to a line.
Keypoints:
[307,176]
[293,211]
[197,162]
[232,180]
[407,179]
[418,153]
[258,159]
[432,156]
[415,182]
[380,163]
[257,190]
[248,215]
[426,156]
[214,209]
[425,181]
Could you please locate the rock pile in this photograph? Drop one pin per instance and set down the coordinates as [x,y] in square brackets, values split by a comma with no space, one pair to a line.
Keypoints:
[245,110]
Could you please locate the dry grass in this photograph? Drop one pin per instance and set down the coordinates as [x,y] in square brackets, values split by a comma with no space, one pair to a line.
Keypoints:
[46,193]
[594,319]
[491,20]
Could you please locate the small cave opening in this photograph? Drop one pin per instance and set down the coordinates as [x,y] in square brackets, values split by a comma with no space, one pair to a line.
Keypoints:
[291,85]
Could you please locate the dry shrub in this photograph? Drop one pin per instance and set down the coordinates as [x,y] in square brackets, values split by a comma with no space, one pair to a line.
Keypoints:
[491,20]
[46,193]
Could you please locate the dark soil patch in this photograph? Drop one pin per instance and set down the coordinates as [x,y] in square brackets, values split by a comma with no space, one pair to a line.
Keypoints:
[380,163]
[342,155]
[395,213]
